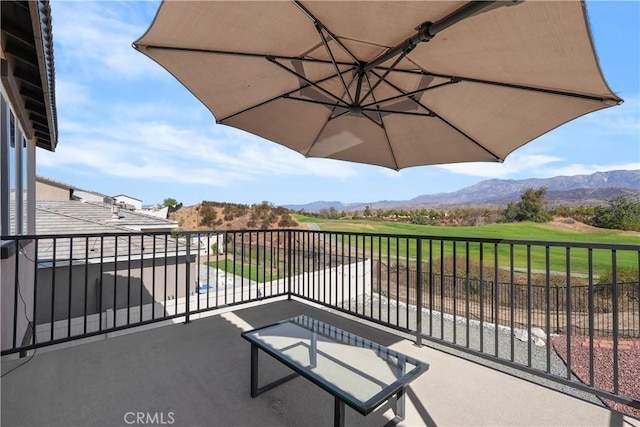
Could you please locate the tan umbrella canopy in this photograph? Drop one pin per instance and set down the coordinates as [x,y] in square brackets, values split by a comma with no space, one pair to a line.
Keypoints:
[389,83]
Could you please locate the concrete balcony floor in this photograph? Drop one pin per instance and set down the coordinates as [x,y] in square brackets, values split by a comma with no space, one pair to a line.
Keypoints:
[197,374]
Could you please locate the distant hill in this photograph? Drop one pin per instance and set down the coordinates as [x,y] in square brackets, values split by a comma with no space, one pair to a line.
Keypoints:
[232,216]
[586,190]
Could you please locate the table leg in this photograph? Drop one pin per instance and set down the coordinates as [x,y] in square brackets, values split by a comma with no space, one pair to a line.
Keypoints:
[338,413]
[400,397]
[254,370]
[313,351]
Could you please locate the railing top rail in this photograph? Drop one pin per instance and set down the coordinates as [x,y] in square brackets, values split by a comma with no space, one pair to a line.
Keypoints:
[503,241]
[427,237]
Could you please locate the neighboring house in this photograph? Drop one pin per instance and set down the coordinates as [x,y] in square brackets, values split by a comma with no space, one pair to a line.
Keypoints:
[74,216]
[92,196]
[128,201]
[157,211]
[146,270]
[48,189]
[27,122]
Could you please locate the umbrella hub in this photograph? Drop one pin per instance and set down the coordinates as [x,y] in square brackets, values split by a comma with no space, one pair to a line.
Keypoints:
[355,110]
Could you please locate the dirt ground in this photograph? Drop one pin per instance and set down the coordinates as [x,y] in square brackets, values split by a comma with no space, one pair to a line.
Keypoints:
[570,224]
[628,365]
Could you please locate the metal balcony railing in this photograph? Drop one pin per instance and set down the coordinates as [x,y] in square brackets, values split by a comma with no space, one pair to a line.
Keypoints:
[528,305]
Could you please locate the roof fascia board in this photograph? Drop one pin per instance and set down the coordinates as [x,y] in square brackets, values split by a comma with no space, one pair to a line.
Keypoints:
[48,81]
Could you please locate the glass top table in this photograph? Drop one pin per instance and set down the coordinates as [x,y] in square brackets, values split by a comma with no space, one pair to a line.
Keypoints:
[355,370]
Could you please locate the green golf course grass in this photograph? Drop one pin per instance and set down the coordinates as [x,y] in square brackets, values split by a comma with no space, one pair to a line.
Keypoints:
[389,239]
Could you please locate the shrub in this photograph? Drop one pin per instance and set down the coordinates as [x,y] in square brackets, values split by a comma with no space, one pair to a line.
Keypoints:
[621,213]
[529,208]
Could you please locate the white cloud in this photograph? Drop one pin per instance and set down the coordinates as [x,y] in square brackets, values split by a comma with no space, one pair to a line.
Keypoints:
[513,165]
[586,169]
[518,165]
[95,40]
[159,152]
[71,94]
[620,119]
[390,173]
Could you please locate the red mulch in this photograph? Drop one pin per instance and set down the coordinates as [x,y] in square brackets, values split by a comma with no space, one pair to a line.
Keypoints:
[628,366]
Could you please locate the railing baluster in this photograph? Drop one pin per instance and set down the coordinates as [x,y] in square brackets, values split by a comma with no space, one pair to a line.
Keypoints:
[153,278]
[86,285]
[187,279]
[481,254]
[177,279]
[616,320]
[349,268]
[455,292]
[115,280]
[388,241]
[142,287]
[430,288]
[466,288]
[34,321]
[407,244]
[53,286]
[289,264]
[496,293]
[242,276]
[166,256]
[568,309]
[529,309]
[16,296]
[591,317]
[129,280]
[70,287]
[548,307]
[398,279]
[512,305]
[442,285]
[419,292]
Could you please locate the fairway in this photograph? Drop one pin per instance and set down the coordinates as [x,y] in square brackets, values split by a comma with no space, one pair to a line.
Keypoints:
[397,240]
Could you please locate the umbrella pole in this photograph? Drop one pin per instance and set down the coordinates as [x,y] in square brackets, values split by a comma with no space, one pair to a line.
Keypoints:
[428,30]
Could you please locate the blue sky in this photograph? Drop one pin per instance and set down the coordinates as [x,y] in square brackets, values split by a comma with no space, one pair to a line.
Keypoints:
[127,126]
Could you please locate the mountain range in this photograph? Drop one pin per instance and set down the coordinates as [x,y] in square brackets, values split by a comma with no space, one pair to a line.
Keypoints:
[577,190]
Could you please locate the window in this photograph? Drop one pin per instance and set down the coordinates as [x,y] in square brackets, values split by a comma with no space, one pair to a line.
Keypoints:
[13,177]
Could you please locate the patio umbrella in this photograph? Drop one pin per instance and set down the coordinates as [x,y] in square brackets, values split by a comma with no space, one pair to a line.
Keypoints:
[389,83]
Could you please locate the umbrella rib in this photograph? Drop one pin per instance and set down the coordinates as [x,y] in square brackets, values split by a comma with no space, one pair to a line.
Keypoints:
[247,54]
[406,113]
[386,136]
[319,27]
[408,94]
[282,95]
[386,73]
[443,119]
[530,88]
[331,117]
[384,129]
[312,101]
[300,76]
[612,101]
[317,22]
[315,140]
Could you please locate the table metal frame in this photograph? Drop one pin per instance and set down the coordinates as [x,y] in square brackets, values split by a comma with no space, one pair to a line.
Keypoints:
[395,390]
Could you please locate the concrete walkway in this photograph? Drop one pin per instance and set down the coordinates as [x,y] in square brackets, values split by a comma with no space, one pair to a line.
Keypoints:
[197,374]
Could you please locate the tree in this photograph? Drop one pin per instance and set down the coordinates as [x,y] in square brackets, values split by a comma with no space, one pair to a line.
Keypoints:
[529,208]
[207,214]
[169,201]
[621,213]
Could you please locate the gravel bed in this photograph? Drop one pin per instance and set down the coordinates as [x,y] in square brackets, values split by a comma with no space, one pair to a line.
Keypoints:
[515,347]
[628,366]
